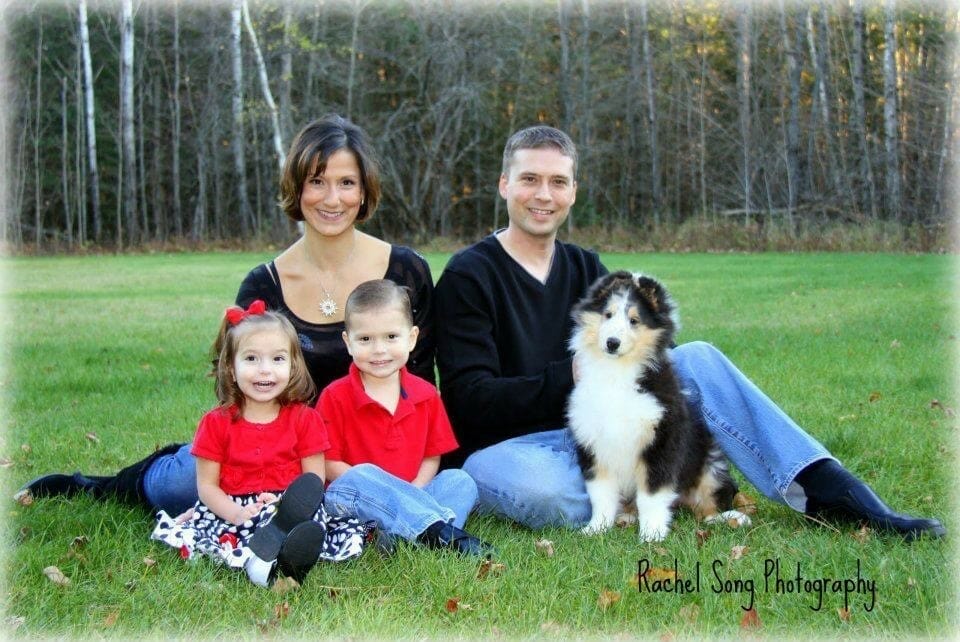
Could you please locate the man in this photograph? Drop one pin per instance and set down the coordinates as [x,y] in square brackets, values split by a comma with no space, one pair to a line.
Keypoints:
[503,320]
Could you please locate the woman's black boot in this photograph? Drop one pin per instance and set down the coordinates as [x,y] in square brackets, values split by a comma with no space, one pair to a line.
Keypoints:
[126,485]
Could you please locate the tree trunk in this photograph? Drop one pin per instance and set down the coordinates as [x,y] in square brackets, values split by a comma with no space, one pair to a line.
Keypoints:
[743,99]
[358,7]
[64,167]
[867,194]
[175,139]
[239,163]
[286,75]
[890,129]
[89,113]
[37,186]
[793,118]
[565,79]
[128,136]
[265,87]
[652,125]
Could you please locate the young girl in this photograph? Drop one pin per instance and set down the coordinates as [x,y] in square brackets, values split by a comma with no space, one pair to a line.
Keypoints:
[260,461]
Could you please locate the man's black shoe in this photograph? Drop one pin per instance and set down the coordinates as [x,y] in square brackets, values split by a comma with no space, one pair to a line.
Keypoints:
[858,502]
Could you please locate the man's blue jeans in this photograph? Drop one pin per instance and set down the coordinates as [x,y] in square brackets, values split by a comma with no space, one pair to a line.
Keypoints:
[535,479]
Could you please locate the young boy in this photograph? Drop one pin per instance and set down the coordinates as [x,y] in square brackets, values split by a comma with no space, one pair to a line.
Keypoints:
[387,429]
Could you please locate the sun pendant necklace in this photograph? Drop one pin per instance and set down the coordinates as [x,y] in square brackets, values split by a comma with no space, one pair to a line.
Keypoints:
[328,305]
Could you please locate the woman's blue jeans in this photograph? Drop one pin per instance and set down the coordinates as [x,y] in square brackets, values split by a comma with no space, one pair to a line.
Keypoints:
[535,479]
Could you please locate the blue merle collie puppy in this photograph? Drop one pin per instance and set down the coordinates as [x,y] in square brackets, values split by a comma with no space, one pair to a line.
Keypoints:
[637,442]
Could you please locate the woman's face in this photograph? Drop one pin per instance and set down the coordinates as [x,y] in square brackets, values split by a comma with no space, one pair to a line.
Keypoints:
[331,201]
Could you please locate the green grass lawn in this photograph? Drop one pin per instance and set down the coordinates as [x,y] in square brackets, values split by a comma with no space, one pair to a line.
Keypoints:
[105,358]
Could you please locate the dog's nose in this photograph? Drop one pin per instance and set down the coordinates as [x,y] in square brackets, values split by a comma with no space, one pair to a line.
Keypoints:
[612,344]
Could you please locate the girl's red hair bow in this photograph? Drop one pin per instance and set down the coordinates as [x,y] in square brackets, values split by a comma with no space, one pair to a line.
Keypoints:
[235,314]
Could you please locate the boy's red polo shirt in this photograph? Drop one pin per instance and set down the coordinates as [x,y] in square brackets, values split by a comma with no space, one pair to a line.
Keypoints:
[362,431]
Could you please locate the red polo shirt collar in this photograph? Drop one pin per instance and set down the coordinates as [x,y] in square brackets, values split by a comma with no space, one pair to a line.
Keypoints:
[412,392]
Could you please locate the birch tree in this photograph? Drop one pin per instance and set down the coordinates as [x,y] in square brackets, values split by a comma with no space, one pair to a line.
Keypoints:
[239,164]
[90,119]
[744,60]
[890,128]
[265,86]
[128,137]
[866,195]
[652,124]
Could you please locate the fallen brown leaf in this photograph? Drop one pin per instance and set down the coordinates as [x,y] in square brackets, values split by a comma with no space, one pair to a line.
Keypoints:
[56,576]
[452,605]
[149,562]
[738,552]
[488,567]
[702,536]
[283,585]
[862,535]
[844,614]
[750,620]
[874,396]
[544,546]
[26,448]
[689,613]
[23,497]
[92,436]
[282,610]
[552,627]
[607,599]
[5,462]
[111,618]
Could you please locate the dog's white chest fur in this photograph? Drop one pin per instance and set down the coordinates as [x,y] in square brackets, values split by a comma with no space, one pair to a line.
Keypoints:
[614,419]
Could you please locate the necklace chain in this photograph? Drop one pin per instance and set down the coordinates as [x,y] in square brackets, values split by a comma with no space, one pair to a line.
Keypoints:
[328,305]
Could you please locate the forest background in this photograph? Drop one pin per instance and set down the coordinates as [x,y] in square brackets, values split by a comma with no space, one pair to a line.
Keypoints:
[701,125]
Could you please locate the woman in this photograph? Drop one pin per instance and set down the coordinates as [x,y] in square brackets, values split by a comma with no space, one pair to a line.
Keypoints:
[330,182]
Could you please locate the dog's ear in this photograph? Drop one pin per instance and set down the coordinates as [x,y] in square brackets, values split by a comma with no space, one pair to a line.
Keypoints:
[652,291]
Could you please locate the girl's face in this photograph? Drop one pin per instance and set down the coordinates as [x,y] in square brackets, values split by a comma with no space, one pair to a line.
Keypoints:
[261,367]
[331,201]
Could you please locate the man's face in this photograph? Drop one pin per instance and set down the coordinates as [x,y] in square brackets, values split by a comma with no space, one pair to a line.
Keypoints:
[539,191]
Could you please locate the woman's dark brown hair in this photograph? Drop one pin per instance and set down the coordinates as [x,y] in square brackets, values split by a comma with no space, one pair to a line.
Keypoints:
[308,155]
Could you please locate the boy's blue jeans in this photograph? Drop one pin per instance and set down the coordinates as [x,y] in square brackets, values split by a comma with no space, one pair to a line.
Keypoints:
[535,479]
[401,509]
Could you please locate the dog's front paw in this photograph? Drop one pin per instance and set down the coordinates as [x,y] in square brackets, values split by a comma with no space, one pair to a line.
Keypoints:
[733,518]
[595,527]
[651,531]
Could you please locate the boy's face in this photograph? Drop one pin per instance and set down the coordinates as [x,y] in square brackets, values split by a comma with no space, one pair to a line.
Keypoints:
[380,341]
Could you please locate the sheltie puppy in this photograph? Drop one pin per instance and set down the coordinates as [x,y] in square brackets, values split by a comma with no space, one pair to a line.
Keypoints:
[637,442]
